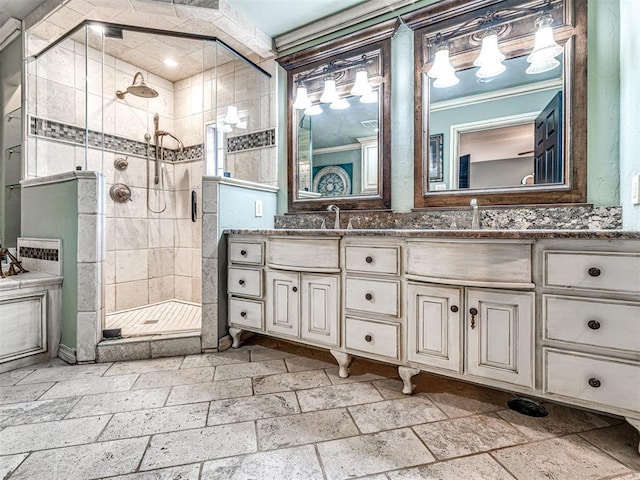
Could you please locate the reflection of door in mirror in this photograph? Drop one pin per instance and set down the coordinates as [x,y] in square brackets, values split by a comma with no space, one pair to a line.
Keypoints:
[548,143]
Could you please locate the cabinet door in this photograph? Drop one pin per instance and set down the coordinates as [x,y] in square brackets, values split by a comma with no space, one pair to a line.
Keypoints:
[433,326]
[283,303]
[320,308]
[500,339]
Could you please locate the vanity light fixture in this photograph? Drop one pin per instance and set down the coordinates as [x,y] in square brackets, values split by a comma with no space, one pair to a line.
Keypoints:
[361,85]
[302,99]
[442,70]
[545,48]
[339,104]
[231,118]
[490,58]
[329,94]
[313,110]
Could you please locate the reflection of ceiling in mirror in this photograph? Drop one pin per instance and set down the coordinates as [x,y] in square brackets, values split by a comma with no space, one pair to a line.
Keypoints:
[342,127]
[514,76]
[498,143]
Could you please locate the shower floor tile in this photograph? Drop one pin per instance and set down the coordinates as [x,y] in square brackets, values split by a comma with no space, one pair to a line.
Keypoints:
[172,316]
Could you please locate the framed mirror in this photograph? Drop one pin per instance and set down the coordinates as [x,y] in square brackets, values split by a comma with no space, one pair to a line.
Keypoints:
[502,87]
[339,123]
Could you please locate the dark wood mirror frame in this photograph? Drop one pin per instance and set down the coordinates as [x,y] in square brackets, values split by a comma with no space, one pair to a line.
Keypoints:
[574,189]
[375,37]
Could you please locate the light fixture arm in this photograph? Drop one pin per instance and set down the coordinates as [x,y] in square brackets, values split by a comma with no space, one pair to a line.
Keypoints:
[333,67]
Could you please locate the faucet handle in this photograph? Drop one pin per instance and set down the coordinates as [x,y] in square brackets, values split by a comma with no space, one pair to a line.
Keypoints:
[473,202]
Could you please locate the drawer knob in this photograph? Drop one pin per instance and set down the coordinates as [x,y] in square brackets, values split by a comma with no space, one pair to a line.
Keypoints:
[594,382]
[454,308]
[593,324]
[368,296]
[243,314]
[243,253]
[369,259]
[241,282]
[295,289]
[594,272]
[368,338]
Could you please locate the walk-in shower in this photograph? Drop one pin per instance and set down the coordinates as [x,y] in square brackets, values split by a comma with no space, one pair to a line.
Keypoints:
[97,101]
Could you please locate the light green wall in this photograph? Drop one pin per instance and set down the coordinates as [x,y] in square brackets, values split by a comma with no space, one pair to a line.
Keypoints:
[53,213]
[603,104]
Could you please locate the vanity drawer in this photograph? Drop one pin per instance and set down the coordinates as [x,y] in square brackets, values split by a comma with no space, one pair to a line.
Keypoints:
[250,253]
[379,338]
[373,296]
[600,323]
[245,281]
[372,259]
[593,270]
[304,254]
[596,379]
[246,313]
[477,263]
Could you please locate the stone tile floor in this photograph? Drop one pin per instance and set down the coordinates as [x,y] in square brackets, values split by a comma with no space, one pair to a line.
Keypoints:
[272,410]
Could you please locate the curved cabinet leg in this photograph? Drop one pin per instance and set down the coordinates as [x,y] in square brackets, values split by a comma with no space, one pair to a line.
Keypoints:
[635,423]
[406,373]
[344,359]
[235,335]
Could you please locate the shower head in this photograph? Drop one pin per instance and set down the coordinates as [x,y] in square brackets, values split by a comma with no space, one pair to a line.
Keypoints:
[138,88]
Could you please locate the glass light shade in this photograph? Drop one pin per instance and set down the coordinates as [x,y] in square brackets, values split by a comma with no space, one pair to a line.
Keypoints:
[232,115]
[544,66]
[441,65]
[544,47]
[242,124]
[226,128]
[313,110]
[371,97]
[490,70]
[445,81]
[329,94]
[361,86]
[302,99]
[489,52]
[339,104]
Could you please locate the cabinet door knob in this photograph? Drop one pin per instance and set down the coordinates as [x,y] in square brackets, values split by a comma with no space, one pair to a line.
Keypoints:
[368,296]
[295,289]
[368,338]
[593,324]
[594,382]
[454,308]
[241,282]
[243,314]
[594,272]
[369,259]
[243,253]
[473,312]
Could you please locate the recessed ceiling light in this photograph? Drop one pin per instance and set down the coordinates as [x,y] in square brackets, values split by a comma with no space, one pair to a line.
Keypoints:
[170,62]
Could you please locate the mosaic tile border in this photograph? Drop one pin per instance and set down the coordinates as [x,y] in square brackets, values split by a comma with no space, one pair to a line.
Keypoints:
[249,141]
[50,254]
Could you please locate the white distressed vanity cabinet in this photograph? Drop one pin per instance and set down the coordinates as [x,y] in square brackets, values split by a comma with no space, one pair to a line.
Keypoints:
[555,318]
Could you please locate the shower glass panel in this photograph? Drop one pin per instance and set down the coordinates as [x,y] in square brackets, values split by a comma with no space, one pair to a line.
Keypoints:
[132,104]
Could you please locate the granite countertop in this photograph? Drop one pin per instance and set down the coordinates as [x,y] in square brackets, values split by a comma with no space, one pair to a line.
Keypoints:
[449,233]
[29,279]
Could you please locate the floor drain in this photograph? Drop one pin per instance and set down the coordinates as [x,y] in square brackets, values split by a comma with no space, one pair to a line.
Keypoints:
[527,407]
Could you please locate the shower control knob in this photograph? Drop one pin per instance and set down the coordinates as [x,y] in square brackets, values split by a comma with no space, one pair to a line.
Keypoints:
[121,164]
[120,193]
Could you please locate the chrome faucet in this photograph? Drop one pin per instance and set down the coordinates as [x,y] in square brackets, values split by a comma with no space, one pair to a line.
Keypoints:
[334,208]
[475,220]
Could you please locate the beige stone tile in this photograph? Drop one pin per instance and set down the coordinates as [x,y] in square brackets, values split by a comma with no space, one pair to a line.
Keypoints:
[84,462]
[23,393]
[423,383]
[335,379]
[184,472]
[40,436]
[132,294]
[253,369]
[90,386]
[369,454]
[201,392]
[261,353]
[397,413]
[9,463]
[290,381]
[336,396]
[566,458]
[252,408]
[156,420]
[13,377]
[144,366]
[286,464]
[166,378]
[119,402]
[560,421]
[214,359]
[304,428]
[168,449]
[300,364]
[477,467]
[467,435]
[630,476]
[470,401]
[34,412]
[621,442]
